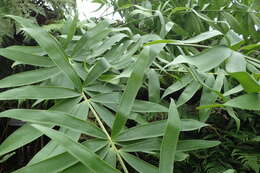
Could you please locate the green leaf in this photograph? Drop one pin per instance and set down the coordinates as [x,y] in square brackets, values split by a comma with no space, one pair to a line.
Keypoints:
[154,144]
[101,66]
[188,93]
[29,77]
[233,22]
[207,60]
[201,37]
[190,145]
[38,92]
[208,97]
[26,133]
[34,50]
[138,164]
[170,140]
[111,157]
[234,90]
[72,27]
[134,83]
[145,145]
[139,105]
[108,43]
[26,58]
[77,150]
[51,149]
[236,63]
[185,80]
[232,113]
[79,168]
[145,106]
[155,129]
[62,161]
[249,84]
[247,102]
[104,114]
[47,117]
[154,86]
[52,47]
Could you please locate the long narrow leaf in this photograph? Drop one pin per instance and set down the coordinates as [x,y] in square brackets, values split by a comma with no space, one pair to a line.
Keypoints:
[133,85]
[79,151]
[54,118]
[170,140]
[38,92]
[52,47]
[28,77]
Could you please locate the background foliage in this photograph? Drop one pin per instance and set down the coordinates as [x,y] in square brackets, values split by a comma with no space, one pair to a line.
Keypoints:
[174,82]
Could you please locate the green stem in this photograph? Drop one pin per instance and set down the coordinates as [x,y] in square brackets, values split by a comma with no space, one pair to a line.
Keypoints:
[112,144]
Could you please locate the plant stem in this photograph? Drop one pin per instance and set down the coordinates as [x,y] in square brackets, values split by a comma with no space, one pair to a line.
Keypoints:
[112,144]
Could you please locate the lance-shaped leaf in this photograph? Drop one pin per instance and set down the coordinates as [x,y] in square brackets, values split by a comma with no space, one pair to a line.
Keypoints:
[208,97]
[101,66]
[26,133]
[26,58]
[134,83]
[170,140]
[62,161]
[71,29]
[207,60]
[201,37]
[79,151]
[34,50]
[51,46]
[138,164]
[185,80]
[29,77]
[188,93]
[38,92]
[249,84]
[154,144]
[247,102]
[54,118]
[236,63]
[51,149]
[155,129]
[154,86]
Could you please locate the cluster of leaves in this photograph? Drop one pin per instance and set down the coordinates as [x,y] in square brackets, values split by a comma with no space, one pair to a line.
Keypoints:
[133,98]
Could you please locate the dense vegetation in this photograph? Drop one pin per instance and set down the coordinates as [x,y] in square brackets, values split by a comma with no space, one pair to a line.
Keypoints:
[173,87]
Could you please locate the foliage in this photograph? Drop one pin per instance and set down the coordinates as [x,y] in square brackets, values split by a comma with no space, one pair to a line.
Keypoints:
[182,96]
[41,11]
